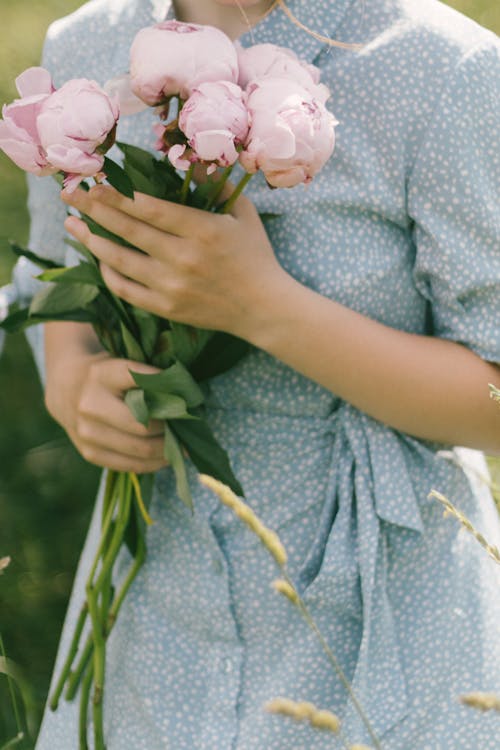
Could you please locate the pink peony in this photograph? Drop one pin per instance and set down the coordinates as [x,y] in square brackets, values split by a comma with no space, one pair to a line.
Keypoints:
[291,134]
[214,120]
[67,130]
[173,58]
[270,61]
[19,137]
[76,126]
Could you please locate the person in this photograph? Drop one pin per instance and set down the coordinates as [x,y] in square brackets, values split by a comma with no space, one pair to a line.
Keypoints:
[372,303]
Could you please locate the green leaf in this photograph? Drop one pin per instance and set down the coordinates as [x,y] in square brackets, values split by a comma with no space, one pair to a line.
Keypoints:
[222,352]
[137,405]
[164,353]
[84,273]
[81,250]
[141,183]
[132,348]
[188,341]
[267,216]
[118,178]
[205,452]
[175,379]
[148,326]
[167,406]
[16,321]
[62,298]
[168,180]
[173,454]
[23,252]
[107,235]
[142,161]
[19,320]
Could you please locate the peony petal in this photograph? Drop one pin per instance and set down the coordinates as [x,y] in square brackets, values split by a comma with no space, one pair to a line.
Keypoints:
[215,145]
[71,182]
[22,116]
[174,156]
[26,154]
[120,87]
[34,81]
[74,160]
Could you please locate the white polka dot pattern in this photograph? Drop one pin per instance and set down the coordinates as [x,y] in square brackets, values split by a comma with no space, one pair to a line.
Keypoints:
[403,225]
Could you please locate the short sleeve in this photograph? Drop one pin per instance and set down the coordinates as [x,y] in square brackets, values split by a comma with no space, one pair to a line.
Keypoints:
[454,203]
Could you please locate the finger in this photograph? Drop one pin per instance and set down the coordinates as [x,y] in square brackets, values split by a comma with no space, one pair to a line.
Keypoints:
[116,461]
[134,293]
[134,230]
[136,265]
[166,216]
[100,407]
[114,374]
[103,436]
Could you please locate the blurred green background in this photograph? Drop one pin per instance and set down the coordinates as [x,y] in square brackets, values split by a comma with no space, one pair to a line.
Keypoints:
[46,490]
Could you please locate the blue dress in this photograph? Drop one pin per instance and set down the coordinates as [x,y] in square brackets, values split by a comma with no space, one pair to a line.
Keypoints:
[402,225]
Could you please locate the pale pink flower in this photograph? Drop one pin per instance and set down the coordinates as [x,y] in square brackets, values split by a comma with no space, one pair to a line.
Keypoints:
[173,58]
[74,124]
[19,137]
[291,136]
[215,121]
[66,130]
[270,61]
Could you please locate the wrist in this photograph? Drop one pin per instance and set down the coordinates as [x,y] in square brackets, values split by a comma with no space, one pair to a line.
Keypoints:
[270,320]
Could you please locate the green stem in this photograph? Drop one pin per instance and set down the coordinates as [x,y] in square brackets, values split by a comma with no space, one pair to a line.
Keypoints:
[140,556]
[99,666]
[125,487]
[104,541]
[331,656]
[219,187]
[185,185]
[73,649]
[109,503]
[13,742]
[75,678]
[84,709]
[12,692]
[227,206]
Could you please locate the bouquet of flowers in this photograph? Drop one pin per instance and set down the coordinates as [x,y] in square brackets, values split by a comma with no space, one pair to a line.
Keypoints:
[217,104]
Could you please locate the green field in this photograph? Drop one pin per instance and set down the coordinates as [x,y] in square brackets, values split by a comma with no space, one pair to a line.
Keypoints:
[46,490]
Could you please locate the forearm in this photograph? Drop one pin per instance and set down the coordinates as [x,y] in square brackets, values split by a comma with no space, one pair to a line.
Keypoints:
[427,387]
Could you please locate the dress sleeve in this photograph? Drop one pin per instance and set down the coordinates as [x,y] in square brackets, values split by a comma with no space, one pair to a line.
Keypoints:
[47,233]
[454,203]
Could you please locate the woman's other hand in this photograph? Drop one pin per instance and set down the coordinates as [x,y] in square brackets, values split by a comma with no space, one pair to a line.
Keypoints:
[84,392]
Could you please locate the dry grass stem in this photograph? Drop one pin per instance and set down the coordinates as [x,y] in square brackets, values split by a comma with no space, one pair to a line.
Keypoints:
[494,393]
[481,701]
[268,538]
[304,711]
[360,747]
[285,588]
[4,563]
[450,509]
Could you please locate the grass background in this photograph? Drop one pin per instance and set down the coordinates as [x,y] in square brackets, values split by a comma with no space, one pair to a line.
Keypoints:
[46,489]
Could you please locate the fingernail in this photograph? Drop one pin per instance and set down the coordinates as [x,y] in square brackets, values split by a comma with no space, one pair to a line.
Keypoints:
[73,225]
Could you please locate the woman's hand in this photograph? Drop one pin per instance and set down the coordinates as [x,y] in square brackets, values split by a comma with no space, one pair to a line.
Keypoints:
[208,270]
[84,393]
